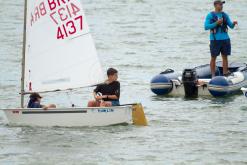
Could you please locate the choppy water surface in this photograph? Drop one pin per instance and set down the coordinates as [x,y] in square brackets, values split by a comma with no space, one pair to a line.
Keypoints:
[140,38]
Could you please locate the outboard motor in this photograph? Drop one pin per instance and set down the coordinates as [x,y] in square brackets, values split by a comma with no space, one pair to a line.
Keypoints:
[190,82]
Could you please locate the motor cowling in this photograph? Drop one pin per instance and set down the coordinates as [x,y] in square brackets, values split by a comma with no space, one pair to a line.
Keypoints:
[190,79]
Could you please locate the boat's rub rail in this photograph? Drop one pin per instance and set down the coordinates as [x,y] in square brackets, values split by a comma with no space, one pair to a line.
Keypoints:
[68,109]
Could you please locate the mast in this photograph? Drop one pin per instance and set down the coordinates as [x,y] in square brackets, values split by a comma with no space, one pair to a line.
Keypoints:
[23,55]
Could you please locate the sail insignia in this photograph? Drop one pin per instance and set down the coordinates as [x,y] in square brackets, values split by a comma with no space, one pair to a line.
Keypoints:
[60,51]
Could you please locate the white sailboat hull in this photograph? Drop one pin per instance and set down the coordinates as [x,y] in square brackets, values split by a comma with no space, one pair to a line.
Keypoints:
[69,117]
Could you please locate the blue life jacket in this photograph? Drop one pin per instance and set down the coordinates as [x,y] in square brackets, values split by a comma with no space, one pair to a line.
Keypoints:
[33,104]
[222,27]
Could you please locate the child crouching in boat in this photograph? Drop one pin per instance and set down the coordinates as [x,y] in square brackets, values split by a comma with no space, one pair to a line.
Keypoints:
[35,102]
[107,94]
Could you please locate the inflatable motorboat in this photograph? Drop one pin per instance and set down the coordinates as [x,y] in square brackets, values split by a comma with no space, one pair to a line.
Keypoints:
[197,81]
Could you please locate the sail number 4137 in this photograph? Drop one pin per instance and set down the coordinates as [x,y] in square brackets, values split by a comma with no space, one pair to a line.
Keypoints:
[70,28]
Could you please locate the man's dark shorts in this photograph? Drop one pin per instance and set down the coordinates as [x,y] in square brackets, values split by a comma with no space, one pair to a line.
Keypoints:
[220,46]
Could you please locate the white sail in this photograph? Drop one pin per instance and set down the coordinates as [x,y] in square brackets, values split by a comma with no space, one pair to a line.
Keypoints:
[60,52]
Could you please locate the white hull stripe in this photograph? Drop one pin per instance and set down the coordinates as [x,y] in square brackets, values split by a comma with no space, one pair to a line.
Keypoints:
[161,85]
[227,88]
[49,112]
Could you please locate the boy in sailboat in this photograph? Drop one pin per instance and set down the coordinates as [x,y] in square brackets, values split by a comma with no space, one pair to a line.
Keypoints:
[35,102]
[108,93]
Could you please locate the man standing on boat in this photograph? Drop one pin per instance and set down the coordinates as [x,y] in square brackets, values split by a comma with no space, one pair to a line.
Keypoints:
[218,22]
[108,93]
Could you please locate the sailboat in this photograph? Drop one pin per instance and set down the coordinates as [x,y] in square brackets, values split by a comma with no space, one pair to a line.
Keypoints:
[59,54]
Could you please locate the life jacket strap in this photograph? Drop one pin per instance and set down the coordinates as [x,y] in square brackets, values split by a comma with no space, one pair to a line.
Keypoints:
[222,27]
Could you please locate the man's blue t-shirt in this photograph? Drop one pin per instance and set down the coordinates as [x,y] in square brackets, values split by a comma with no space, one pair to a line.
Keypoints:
[220,35]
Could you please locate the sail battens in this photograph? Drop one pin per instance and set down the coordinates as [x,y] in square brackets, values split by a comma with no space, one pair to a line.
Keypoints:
[80,35]
[62,80]
[60,51]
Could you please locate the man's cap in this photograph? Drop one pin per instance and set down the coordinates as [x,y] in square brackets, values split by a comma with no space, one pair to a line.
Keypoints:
[35,95]
[219,2]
